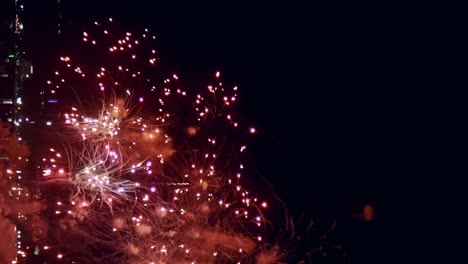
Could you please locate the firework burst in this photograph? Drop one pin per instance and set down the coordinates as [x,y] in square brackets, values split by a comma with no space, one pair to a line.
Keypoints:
[166,162]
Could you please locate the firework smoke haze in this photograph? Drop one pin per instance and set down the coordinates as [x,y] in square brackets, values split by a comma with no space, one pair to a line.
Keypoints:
[15,204]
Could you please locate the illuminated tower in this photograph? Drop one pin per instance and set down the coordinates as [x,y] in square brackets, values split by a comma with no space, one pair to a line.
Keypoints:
[7,61]
[23,66]
[15,68]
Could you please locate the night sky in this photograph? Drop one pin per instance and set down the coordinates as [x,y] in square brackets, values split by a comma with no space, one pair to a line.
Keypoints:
[318,82]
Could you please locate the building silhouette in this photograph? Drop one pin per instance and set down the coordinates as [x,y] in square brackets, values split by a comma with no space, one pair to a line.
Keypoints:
[15,67]
[7,61]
